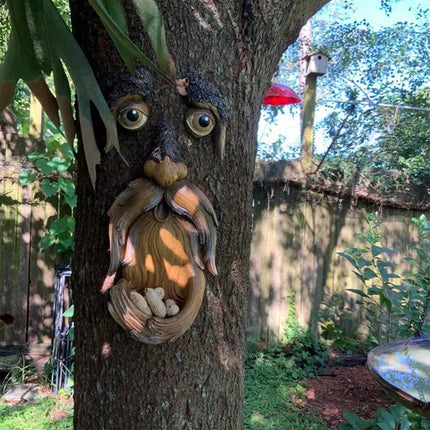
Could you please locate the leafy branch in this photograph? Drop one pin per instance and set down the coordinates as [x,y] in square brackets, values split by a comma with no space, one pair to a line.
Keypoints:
[41,44]
[52,169]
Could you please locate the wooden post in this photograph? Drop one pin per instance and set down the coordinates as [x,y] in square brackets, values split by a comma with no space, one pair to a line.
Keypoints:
[307,132]
[36,118]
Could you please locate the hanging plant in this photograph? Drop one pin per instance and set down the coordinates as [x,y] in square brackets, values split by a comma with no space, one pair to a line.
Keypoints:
[41,44]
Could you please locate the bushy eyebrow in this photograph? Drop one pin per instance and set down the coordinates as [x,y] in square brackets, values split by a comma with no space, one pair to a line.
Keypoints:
[201,92]
[126,84]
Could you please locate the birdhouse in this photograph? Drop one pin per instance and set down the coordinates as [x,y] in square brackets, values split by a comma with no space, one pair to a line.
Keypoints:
[317,63]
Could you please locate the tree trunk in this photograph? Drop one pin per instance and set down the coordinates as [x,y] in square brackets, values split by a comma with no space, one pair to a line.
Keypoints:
[195,382]
[305,37]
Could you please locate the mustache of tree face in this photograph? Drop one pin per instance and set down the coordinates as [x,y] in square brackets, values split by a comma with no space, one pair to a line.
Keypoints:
[161,237]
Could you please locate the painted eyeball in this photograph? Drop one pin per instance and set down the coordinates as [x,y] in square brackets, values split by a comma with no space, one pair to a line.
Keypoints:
[133,116]
[200,122]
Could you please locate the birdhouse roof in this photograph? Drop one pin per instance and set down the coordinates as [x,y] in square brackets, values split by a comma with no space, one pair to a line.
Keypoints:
[313,53]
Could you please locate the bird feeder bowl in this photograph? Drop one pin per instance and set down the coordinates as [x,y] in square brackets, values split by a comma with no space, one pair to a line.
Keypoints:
[403,370]
[280,95]
[317,63]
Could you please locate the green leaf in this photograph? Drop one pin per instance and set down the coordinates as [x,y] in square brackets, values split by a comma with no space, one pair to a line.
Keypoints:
[422,254]
[69,313]
[363,262]
[46,241]
[396,412]
[123,40]
[66,240]
[116,11]
[384,275]
[35,155]
[384,300]
[60,163]
[64,46]
[426,330]
[385,420]
[384,263]
[70,381]
[359,292]
[45,166]
[62,90]
[49,188]
[152,20]
[404,422]
[412,261]
[67,151]
[38,31]
[67,185]
[20,61]
[359,276]
[27,176]
[59,226]
[356,422]
[344,426]
[349,258]
[71,200]
[377,250]
[71,224]
[369,273]
[374,290]
[49,165]
[59,248]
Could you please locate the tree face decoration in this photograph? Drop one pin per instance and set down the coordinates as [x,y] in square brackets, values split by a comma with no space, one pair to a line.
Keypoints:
[162,229]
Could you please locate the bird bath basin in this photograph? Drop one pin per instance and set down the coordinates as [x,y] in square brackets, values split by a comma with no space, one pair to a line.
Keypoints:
[403,369]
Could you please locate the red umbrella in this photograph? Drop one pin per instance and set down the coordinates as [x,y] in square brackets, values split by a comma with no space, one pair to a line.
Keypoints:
[280,95]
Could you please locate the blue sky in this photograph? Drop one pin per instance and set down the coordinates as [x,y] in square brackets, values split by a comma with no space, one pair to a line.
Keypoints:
[287,124]
[402,10]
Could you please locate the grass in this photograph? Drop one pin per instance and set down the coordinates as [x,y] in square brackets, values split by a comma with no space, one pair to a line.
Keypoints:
[49,413]
[273,396]
[274,393]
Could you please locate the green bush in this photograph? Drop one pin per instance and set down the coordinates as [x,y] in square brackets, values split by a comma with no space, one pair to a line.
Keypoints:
[395,305]
[307,352]
[53,169]
[397,418]
[331,318]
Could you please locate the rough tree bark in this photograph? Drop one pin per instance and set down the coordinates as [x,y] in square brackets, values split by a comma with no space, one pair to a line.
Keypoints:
[197,381]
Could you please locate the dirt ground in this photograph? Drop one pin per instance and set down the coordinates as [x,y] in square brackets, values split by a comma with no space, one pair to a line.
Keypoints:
[353,388]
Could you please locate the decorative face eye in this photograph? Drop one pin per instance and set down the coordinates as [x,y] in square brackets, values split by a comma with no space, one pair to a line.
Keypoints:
[133,115]
[200,122]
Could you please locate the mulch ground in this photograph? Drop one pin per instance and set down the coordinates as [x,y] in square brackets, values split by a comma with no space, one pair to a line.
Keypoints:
[353,389]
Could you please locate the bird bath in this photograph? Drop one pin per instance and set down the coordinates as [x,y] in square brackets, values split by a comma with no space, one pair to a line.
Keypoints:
[403,369]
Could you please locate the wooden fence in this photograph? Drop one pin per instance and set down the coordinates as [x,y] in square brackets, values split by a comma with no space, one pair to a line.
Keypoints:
[26,274]
[297,235]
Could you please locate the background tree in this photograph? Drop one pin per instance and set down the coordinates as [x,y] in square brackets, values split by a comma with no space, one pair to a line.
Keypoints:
[378,66]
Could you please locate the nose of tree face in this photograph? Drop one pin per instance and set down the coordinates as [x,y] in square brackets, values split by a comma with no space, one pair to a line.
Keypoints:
[165,143]
[164,165]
